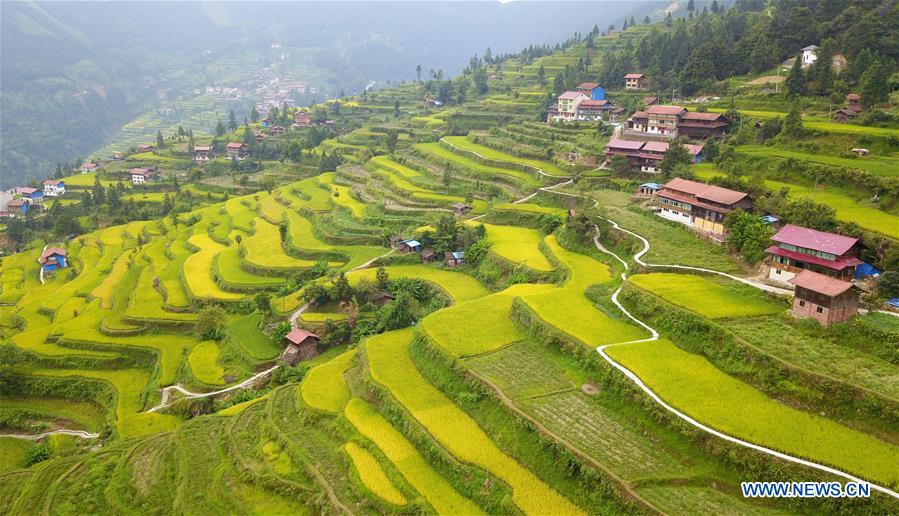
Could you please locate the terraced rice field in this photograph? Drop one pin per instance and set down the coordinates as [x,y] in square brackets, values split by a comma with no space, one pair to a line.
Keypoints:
[518,246]
[324,387]
[878,165]
[712,299]
[392,367]
[822,356]
[434,488]
[458,286]
[693,385]
[847,208]
[476,168]
[372,475]
[478,326]
[491,153]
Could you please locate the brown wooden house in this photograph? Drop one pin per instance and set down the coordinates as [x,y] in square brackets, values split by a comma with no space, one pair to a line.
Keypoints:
[460,208]
[823,298]
[428,256]
[300,345]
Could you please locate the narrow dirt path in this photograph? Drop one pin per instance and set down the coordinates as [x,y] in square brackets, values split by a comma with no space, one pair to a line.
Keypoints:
[35,437]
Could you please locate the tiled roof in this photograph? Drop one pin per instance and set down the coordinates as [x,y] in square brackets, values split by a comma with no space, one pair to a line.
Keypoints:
[821,283]
[705,191]
[814,239]
[297,336]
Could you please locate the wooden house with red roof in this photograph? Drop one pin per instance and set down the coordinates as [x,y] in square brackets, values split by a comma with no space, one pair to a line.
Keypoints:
[797,249]
[669,122]
[700,126]
[202,153]
[300,345]
[821,297]
[237,150]
[699,205]
[302,119]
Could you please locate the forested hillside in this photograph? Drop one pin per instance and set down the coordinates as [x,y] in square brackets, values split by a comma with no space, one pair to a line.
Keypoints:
[74,74]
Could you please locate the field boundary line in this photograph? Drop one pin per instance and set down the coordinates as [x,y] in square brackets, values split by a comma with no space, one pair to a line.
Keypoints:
[510,404]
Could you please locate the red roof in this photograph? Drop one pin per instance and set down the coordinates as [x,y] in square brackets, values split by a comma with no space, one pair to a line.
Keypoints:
[17,203]
[587,85]
[571,95]
[665,110]
[836,265]
[821,283]
[52,182]
[704,191]
[661,147]
[634,76]
[27,190]
[640,114]
[297,336]
[201,148]
[693,115]
[650,100]
[814,239]
[853,96]
[51,251]
[593,103]
[624,144]
[235,145]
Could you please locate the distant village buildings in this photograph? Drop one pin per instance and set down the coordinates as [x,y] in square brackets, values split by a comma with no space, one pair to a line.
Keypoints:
[237,151]
[142,175]
[809,55]
[89,167]
[593,90]
[202,153]
[54,188]
[646,156]
[635,81]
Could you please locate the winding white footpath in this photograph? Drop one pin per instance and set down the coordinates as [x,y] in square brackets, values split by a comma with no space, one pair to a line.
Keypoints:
[36,437]
[167,399]
[654,335]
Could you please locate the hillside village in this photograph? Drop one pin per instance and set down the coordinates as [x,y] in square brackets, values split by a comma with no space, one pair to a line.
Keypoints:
[548,285]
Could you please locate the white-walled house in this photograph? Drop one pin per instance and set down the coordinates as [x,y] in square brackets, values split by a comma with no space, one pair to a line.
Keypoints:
[54,188]
[809,55]
[568,104]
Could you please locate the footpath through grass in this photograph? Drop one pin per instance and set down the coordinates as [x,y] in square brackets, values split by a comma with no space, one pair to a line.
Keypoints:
[692,384]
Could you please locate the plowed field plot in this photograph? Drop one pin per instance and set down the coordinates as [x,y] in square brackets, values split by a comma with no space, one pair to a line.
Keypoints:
[602,435]
[821,356]
[699,500]
[521,370]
